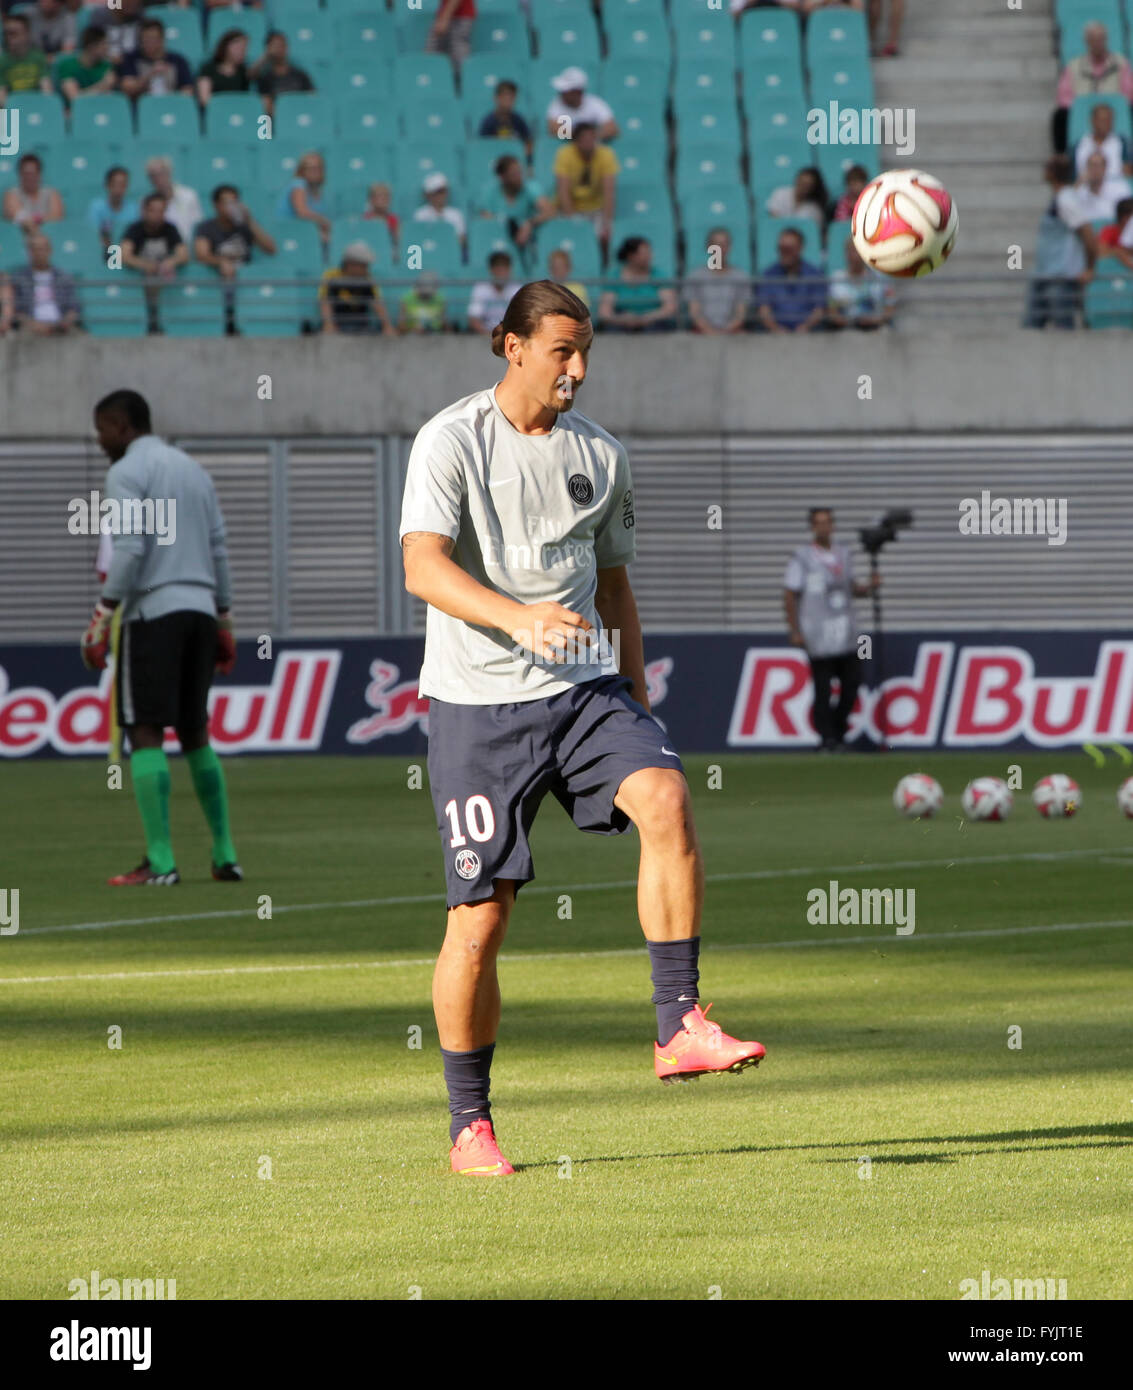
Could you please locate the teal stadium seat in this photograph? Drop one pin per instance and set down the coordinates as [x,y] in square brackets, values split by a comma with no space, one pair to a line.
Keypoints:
[574,235]
[357,75]
[721,201]
[838,34]
[41,118]
[233,116]
[13,251]
[1079,120]
[374,233]
[209,165]
[771,83]
[307,117]
[411,27]
[706,121]
[172,117]
[639,118]
[367,34]
[837,235]
[136,155]
[359,162]
[505,34]
[113,307]
[107,117]
[253,23]
[695,75]
[439,247]
[637,8]
[770,39]
[183,32]
[498,7]
[658,229]
[272,165]
[699,32]
[698,165]
[630,36]
[369,117]
[84,161]
[644,198]
[429,117]
[279,309]
[543,162]
[1109,302]
[767,231]
[573,39]
[193,306]
[414,159]
[420,75]
[299,249]
[774,163]
[850,84]
[486,236]
[643,159]
[834,160]
[310,39]
[620,79]
[479,77]
[551,11]
[75,246]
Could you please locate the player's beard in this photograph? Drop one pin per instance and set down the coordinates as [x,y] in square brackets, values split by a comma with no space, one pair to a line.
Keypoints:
[560,403]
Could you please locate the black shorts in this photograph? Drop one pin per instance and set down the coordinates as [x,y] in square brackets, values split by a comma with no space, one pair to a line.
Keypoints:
[165,669]
[490,767]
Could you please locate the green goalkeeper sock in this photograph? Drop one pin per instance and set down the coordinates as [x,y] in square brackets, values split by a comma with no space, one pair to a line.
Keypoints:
[208,783]
[150,774]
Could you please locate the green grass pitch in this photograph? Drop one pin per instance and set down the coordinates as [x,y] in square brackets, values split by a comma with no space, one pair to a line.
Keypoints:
[891,1145]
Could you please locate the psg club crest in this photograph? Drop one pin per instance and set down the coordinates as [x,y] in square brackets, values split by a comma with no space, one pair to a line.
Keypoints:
[468,863]
[581,489]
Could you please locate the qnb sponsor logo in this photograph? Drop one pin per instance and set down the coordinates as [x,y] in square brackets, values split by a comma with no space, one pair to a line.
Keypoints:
[9,131]
[986,515]
[873,125]
[955,697]
[77,1343]
[288,715]
[96,1287]
[397,706]
[986,1287]
[863,907]
[126,516]
[565,554]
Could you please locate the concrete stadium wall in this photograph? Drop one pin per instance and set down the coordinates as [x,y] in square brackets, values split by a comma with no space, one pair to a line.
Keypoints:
[939,381]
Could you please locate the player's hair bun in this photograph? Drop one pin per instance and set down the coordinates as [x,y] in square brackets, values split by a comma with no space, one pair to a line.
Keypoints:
[498,335]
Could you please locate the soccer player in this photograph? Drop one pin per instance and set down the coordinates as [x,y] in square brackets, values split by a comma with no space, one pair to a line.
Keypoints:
[176,626]
[517,527]
[818,593]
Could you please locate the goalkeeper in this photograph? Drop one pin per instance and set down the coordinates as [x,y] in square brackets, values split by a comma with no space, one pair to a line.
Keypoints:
[173,589]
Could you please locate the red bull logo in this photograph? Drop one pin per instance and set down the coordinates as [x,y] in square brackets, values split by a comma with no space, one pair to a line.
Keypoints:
[397,706]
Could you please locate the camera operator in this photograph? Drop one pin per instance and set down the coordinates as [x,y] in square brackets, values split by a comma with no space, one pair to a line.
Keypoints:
[818,593]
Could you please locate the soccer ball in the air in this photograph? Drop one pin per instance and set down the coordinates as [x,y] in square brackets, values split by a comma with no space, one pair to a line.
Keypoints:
[1125,797]
[987,798]
[1056,795]
[904,223]
[918,795]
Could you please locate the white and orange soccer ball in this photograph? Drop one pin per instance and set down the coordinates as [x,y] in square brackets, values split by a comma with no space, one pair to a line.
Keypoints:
[1125,798]
[918,795]
[904,223]
[1056,795]
[987,798]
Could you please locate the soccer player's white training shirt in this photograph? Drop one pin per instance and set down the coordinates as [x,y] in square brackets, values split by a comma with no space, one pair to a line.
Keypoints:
[533,517]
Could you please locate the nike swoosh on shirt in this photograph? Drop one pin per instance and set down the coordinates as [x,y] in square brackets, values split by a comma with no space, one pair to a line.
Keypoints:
[499,482]
[669,751]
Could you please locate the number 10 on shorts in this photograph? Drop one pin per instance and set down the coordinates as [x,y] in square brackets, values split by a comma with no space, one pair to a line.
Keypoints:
[478,820]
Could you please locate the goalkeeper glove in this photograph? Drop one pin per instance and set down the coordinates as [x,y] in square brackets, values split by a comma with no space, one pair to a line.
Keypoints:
[225,643]
[96,640]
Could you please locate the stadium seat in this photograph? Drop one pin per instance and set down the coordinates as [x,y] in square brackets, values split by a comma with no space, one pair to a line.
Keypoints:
[1079,120]
[413,159]
[209,165]
[82,161]
[41,118]
[701,33]
[183,32]
[550,11]
[411,28]
[639,118]
[698,165]
[172,117]
[657,228]
[573,39]
[358,162]
[837,234]
[376,236]
[770,119]
[113,307]
[635,78]
[574,235]
[137,154]
[299,249]
[772,84]
[480,158]
[837,34]
[644,197]
[770,38]
[1109,302]
[643,159]
[193,306]
[774,163]
[253,23]
[233,115]
[106,117]
[367,117]
[498,7]
[75,246]
[697,75]
[640,9]
[272,165]
[429,117]
[505,34]
[77,195]
[479,77]
[307,117]
[834,160]
[849,84]
[632,36]
[422,74]
[767,231]
[705,120]
[439,247]
[367,33]
[310,40]
[274,310]
[486,235]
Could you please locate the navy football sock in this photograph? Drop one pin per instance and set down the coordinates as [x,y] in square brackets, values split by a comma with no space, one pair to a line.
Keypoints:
[674,973]
[467,1079]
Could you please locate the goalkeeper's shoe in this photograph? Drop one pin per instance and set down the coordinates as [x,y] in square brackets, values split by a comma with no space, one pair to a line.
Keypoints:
[228,873]
[144,874]
[700,1048]
[476,1154]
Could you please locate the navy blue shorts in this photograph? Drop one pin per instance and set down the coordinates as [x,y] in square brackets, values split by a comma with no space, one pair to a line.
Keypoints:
[490,767]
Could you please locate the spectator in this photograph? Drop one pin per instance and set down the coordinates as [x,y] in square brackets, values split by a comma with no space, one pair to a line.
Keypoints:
[303,196]
[1117,239]
[889,48]
[795,300]
[490,298]
[349,300]
[515,200]
[718,293]
[273,72]
[1096,72]
[54,28]
[379,200]
[1098,196]
[23,67]
[856,179]
[559,268]
[637,304]
[1103,139]
[451,31]
[806,198]
[1065,254]
[860,297]
[574,105]
[7,305]
[153,245]
[152,70]
[44,299]
[423,307]
[436,206]
[30,202]
[88,72]
[586,175]
[226,240]
[113,210]
[122,22]
[182,205]
[503,121]
[226,70]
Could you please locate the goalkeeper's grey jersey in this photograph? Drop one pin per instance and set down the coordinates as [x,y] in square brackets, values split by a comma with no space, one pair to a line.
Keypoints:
[824,580]
[534,517]
[179,560]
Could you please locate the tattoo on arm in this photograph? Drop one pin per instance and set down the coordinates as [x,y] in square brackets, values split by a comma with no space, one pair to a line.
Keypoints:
[411,538]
